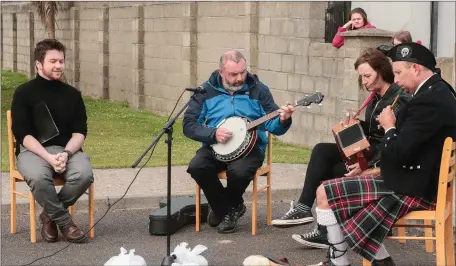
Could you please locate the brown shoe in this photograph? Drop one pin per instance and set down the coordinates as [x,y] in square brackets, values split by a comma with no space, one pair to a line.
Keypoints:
[49,230]
[72,233]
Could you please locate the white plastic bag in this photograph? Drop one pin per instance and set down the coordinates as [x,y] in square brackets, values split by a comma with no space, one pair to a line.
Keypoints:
[126,259]
[256,260]
[185,256]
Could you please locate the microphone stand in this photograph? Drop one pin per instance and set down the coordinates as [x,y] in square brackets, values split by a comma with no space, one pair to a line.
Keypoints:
[168,129]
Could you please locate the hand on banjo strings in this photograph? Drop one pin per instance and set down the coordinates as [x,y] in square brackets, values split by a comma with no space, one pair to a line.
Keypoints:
[222,135]
[286,111]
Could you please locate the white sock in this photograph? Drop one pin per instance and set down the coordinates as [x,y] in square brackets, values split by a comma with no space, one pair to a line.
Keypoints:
[335,236]
[382,253]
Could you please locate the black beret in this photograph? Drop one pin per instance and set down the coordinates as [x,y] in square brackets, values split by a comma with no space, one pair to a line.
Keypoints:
[413,52]
[384,48]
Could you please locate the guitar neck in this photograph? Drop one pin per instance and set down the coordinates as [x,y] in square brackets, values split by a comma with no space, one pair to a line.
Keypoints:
[263,119]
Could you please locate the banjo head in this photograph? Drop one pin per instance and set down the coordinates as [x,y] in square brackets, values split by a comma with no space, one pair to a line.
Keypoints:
[238,128]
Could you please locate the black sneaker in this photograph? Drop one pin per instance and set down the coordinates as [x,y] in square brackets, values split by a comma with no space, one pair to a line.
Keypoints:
[212,219]
[384,262]
[331,253]
[230,221]
[318,238]
[293,217]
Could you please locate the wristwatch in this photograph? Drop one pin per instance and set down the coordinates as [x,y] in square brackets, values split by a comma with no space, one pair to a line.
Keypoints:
[69,153]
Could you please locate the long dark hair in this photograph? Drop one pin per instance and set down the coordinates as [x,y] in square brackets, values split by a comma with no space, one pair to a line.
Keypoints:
[360,11]
[379,62]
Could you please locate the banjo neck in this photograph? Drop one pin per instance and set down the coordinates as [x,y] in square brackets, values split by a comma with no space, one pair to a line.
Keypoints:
[315,98]
[263,119]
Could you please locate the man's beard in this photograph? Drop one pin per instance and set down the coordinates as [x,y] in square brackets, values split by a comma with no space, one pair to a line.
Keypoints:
[52,75]
[233,87]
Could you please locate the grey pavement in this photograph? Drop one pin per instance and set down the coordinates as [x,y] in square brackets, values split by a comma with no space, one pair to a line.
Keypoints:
[126,224]
[129,229]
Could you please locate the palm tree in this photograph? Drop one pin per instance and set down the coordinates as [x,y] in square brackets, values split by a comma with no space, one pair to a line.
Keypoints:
[47,10]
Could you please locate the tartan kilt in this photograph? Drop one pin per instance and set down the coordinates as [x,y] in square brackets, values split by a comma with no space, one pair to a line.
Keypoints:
[366,210]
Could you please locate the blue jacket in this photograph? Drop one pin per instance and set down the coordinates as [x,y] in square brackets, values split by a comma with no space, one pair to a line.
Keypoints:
[207,110]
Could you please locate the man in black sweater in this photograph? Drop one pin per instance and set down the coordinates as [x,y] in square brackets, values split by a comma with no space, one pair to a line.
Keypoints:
[49,122]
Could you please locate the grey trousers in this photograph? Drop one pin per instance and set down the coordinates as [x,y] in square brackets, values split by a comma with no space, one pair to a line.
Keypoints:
[39,177]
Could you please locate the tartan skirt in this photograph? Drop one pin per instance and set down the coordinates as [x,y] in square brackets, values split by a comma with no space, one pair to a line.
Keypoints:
[366,210]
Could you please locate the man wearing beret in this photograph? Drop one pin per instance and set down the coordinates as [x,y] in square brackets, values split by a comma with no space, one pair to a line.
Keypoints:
[360,211]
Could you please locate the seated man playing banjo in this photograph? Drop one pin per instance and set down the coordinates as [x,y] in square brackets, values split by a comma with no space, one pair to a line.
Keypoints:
[230,92]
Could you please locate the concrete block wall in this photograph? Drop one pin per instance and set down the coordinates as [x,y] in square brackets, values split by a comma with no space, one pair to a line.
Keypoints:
[167,51]
[24,42]
[63,33]
[9,56]
[119,24]
[290,62]
[146,53]
[91,80]
[222,26]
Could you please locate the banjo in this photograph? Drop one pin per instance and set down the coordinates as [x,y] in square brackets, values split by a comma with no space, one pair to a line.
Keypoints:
[244,132]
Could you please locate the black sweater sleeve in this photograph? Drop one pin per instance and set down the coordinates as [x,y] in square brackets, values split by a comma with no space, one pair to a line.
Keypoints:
[21,116]
[79,124]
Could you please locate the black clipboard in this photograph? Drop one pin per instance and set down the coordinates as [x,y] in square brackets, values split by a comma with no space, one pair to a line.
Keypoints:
[44,123]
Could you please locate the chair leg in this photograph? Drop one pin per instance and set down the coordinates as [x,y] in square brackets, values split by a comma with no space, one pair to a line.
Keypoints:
[71,209]
[254,206]
[449,241]
[32,219]
[401,230]
[91,212]
[13,205]
[366,262]
[269,199]
[198,208]
[440,242]
[428,233]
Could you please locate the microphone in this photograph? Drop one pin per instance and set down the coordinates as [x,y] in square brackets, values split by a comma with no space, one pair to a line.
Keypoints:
[198,89]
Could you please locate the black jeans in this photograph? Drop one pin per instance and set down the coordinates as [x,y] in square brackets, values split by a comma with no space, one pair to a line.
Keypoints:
[325,163]
[204,168]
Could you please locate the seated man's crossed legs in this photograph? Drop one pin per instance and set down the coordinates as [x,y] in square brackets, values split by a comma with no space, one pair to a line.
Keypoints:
[226,203]
[39,175]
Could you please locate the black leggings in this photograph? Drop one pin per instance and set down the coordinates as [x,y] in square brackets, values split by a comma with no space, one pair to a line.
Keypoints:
[325,163]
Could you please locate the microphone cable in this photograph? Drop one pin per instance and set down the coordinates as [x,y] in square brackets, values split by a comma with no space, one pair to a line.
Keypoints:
[131,183]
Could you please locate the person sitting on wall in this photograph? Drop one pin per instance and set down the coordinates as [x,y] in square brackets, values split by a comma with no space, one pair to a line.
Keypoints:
[375,75]
[359,211]
[40,156]
[231,90]
[358,20]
